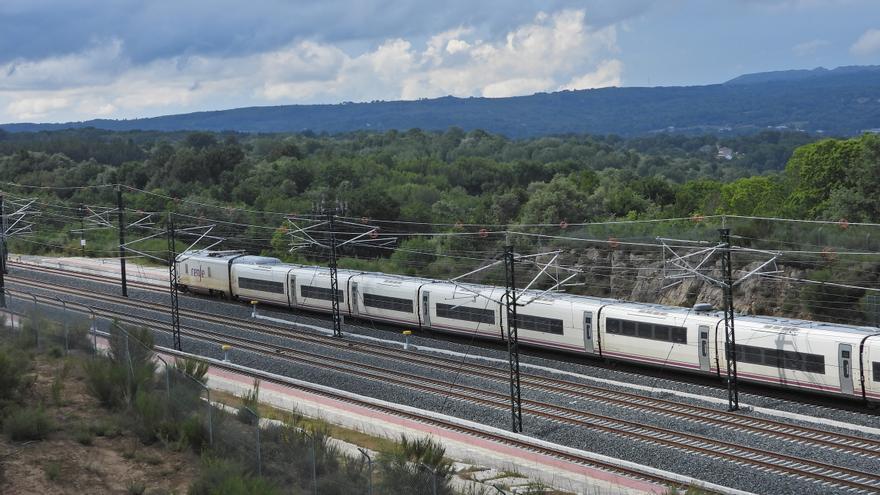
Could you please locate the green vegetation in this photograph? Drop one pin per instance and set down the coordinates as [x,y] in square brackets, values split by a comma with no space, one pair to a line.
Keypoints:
[27,423]
[460,182]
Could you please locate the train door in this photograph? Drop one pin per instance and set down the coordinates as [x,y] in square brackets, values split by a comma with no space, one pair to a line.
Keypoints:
[704,347]
[353,303]
[291,290]
[846,381]
[589,344]
[426,309]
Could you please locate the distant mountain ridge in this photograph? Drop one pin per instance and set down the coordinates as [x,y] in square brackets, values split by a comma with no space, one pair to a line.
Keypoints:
[842,101]
[801,74]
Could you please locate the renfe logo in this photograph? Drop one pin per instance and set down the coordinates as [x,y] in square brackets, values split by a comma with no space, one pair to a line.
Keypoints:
[197,272]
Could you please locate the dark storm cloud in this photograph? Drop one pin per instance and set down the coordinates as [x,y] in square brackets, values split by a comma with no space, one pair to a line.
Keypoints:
[36,29]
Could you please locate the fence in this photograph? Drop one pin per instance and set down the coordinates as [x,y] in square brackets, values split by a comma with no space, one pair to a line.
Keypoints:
[164,399]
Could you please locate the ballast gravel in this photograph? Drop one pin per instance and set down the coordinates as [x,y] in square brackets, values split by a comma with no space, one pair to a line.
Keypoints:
[722,472]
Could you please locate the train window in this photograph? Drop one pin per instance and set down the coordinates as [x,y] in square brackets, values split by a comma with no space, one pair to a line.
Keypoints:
[876,371]
[539,324]
[811,363]
[661,332]
[209,272]
[612,326]
[323,293]
[644,330]
[261,285]
[387,302]
[679,335]
[465,313]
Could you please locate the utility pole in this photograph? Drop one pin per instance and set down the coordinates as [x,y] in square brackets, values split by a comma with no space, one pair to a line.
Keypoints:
[2,252]
[121,210]
[172,280]
[510,302]
[729,335]
[334,281]
[82,229]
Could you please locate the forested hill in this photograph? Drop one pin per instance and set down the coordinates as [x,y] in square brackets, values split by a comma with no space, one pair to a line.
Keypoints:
[843,101]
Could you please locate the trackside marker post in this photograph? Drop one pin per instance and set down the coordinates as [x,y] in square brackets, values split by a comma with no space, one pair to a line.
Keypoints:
[406,333]
[225,348]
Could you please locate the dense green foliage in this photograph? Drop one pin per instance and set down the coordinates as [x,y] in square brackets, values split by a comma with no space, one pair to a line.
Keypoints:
[455,182]
[844,101]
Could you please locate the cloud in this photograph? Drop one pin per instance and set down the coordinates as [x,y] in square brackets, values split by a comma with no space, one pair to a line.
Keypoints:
[158,29]
[867,44]
[548,52]
[808,48]
[606,74]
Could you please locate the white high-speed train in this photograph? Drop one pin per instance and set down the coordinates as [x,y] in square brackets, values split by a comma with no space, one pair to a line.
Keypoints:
[826,358]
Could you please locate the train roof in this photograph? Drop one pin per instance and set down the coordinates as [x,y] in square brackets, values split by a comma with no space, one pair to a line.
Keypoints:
[773,322]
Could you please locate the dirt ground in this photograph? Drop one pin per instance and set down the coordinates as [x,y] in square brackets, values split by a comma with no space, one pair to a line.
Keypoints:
[89,452]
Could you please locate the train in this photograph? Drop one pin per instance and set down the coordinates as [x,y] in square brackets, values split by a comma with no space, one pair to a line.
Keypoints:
[817,357]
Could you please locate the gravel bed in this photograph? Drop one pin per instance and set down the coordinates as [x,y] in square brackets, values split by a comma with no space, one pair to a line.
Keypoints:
[703,468]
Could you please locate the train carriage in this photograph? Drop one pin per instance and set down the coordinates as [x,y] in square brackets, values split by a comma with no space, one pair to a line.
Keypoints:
[462,308]
[310,288]
[559,321]
[870,350]
[262,282]
[658,335]
[822,357]
[390,298]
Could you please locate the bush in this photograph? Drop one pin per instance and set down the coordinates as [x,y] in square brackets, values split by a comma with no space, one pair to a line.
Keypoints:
[194,433]
[193,368]
[52,470]
[106,382]
[150,420]
[27,424]
[221,477]
[83,435]
[250,403]
[13,366]
[404,468]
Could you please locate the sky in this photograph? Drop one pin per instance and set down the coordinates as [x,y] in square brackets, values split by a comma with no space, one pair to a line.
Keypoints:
[71,60]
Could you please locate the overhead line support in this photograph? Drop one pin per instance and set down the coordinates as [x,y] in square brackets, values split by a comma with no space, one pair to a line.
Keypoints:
[729,334]
[121,210]
[334,280]
[172,282]
[510,302]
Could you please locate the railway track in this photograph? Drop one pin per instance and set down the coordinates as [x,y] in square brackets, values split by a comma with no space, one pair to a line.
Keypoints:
[688,412]
[825,474]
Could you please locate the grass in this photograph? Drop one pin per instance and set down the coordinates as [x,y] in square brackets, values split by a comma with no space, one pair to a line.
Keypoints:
[136,488]
[357,437]
[28,423]
[52,469]
[83,436]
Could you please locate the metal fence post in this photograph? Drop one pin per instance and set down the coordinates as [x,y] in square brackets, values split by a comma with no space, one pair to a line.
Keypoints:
[34,323]
[167,378]
[210,418]
[94,329]
[311,437]
[369,470]
[66,326]
[257,425]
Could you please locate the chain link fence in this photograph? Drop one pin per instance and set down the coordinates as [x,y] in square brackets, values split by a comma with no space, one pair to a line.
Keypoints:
[240,442]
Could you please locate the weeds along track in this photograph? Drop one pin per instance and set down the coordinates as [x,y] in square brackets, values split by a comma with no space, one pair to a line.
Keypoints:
[827,475]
